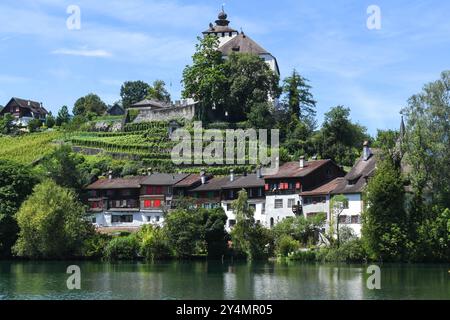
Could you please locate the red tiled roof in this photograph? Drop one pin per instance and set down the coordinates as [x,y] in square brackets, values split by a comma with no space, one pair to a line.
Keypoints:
[324,189]
[293,170]
[122,183]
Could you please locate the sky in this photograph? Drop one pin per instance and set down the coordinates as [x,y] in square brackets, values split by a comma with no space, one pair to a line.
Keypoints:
[371,71]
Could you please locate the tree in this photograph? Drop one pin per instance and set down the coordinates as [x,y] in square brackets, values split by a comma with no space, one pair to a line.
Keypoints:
[427,139]
[299,98]
[62,165]
[132,92]
[215,234]
[63,116]
[250,82]
[16,184]
[339,138]
[50,121]
[338,204]
[7,124]
[90,103]
[34,125]
[52,224]
[205,80]
[247,236]
[260,116]
[384,219]
[158,92]
[183,231]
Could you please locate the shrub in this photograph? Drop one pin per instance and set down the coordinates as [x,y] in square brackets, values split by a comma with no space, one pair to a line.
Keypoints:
[351,251]
[286,245]
[304,256]
[122,248]
[153,243]
[94,247]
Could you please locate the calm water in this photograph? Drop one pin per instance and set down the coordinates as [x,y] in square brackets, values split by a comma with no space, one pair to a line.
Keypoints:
[214,280]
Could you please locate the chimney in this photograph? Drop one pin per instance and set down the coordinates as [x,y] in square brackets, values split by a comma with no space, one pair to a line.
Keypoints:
[203,177]
[302,162]
[149,171]
[231,175]
[259,172]
[29,103]
[366,151]
[110,175]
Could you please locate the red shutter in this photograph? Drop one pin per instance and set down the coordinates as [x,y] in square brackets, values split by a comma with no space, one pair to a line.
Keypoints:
[298,186]
[157,203]
[266,187]
[159,190]
[147,204]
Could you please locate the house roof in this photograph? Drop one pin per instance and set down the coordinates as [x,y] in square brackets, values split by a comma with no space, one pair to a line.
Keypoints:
[149,103]
[34,106]
[222,24]
[213,184]
[188,181]
[293,170]
[242,44]
[248,181]
[324,189]
[120,183]
[163,179]
[356,179]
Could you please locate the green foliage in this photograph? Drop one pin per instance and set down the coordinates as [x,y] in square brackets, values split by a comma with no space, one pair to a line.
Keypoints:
[94,247]
[215,235]
[122,248]
[299,99]
[7,124]
[16,184]
[158,92]
[286,245]
[50,121]
[132,92]
[351,251]
[248,237]
[89,104]
[63,116]
[52,224]
[339,138]
[385,218]
[34,125]
[260,116]
[154,244]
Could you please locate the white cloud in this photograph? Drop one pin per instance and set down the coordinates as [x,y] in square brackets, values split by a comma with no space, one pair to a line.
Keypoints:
[83,53]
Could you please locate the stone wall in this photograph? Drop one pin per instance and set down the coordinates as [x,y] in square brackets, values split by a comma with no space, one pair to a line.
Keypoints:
[183,112]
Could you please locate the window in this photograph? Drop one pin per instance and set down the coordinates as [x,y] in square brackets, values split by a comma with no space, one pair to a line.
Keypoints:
[231,223]
[291,203]
[356,219]
[94,220]
[231,194]
[260,192]
[149,190]
[126,192]
[110,193]
[314,200]
[272,222]
[278,203]
[157,218]
[157,203]
[92,193]
[122,219]
[345,219]
[229,207]
[210,195]
[149,219]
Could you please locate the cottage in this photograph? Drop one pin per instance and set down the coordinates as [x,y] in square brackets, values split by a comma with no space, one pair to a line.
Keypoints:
[24,111]
[283,190]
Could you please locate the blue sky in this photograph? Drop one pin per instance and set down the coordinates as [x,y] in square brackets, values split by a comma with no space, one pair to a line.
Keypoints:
[373,72]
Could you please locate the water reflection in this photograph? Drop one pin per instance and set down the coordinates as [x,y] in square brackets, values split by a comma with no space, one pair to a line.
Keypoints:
[216,280]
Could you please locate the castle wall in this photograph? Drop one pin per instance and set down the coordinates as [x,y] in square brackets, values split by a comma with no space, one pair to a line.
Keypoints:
[148,115]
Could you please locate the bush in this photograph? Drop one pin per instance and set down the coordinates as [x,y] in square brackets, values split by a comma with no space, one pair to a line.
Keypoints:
[304,256]
[286,245]
[153,243]
[94,247]
[351,251]
[122,248]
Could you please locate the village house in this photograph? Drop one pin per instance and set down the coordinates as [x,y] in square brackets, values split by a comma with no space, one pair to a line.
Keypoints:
[253,184]
[24,111]
[284,189]
[352,187]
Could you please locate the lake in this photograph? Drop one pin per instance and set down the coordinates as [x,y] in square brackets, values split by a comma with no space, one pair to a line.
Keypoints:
[215,280]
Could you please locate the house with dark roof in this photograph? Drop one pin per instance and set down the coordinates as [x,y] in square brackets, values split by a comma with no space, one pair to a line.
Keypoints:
[353,186]
[115,110]
[24,111]
[284,189]
[253,184]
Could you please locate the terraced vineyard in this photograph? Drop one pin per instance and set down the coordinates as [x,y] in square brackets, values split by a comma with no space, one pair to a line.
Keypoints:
[28,148]
[146,142]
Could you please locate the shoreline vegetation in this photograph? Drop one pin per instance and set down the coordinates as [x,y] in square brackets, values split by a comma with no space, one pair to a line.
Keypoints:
[407,200]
